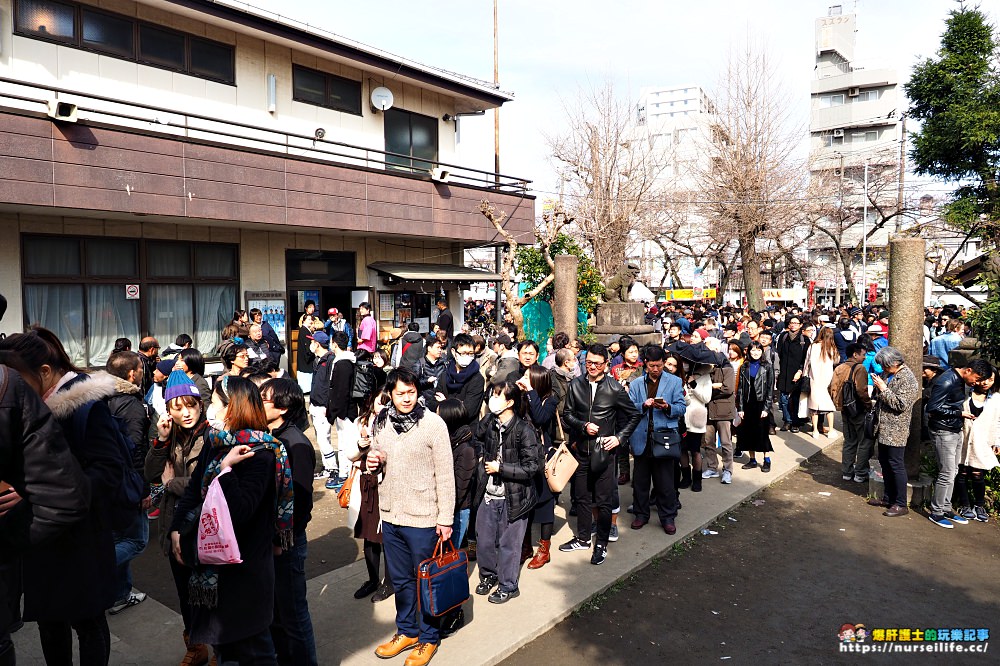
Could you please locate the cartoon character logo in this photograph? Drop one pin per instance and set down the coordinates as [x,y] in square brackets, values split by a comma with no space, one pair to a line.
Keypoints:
[846,633]
[860,633]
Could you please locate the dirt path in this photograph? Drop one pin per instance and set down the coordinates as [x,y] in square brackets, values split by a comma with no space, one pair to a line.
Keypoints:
[776,585]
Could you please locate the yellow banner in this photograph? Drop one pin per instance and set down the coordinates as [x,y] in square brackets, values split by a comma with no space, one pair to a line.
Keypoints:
[688,294]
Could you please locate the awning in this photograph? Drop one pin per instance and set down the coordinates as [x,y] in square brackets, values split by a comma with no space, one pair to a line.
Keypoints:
[432,272]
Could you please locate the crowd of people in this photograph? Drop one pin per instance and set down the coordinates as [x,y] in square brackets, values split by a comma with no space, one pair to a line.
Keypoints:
[442,436]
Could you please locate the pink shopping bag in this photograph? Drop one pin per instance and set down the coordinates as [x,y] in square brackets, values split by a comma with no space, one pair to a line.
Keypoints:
[216,536]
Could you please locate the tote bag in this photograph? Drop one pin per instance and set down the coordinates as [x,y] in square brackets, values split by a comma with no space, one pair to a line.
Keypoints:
[443,579]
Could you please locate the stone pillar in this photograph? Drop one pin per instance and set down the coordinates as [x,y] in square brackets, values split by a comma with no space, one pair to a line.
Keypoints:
[565,306]
[906,318]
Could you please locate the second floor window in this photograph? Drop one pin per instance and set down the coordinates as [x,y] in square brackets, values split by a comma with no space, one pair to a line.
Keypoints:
[414,139]
[322,89]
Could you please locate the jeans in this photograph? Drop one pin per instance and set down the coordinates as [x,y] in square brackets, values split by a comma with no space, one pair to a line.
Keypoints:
[708,450]
[661,472]
[949,450]
[93,634]
[893,473]
[128,546]
[405,548]
[322,427]
[292,630]
[256,650]
[593,490]
[498,544]
[459,527]
[789,403]
[857,448]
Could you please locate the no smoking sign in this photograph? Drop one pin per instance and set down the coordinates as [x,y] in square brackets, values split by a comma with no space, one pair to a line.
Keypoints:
[132,292]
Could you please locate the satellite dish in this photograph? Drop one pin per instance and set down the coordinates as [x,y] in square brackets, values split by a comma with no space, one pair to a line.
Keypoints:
[382,98]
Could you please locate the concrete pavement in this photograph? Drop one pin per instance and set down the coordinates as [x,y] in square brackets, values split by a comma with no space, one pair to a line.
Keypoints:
[348,630]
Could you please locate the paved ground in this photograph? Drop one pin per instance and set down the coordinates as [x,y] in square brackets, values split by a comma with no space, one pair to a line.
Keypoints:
[776,585]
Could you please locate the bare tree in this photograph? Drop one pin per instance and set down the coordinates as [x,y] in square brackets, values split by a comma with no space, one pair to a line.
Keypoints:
[611,170]
[751,184]
[552,223]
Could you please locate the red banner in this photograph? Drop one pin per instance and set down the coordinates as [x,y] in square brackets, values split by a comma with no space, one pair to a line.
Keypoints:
[872,292]
[812,294]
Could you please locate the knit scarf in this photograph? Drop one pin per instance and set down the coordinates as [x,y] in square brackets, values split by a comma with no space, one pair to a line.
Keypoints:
[458,376]
[204,584]
[401,423]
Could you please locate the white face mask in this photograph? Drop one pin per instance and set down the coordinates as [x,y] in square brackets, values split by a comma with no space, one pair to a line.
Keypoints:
[463,360]
[212,414]
[497,404]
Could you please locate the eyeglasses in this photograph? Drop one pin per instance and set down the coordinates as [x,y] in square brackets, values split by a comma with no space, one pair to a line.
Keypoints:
[595,364]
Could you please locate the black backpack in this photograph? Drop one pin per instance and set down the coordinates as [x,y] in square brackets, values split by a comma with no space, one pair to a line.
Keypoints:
[851,406]
[363,383]
[124,503]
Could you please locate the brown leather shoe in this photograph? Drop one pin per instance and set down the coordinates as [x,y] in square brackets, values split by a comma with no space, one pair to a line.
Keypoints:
[875,501]
[542,557]
[638,523]
[396,644]
[670,528]
[895,510]
[422,654]
[196,654]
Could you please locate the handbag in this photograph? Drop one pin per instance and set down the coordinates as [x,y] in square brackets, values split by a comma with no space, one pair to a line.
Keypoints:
[805,385]
[344,495]
[600,458]
[872,422]
[666,444]
[559,468]
[443,579]
[216,535]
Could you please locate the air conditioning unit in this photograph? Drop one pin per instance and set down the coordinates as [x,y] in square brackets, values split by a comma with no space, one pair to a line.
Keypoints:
[853,92]
[440,174]
[62,111]
[838,133]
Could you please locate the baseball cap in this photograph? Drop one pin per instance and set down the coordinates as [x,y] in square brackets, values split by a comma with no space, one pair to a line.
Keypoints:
[320,337]
[504,340]
[333,311]
[876,329]
[853,311]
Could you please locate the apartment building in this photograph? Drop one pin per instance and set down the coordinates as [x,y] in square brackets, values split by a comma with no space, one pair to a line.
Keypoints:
[168,161]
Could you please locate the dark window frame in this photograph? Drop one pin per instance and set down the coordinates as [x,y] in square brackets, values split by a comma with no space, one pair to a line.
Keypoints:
[398,161]
[141,277]
[329,78]
[77,41]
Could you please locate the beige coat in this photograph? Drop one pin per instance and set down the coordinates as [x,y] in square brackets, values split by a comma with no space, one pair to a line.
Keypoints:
[981,435]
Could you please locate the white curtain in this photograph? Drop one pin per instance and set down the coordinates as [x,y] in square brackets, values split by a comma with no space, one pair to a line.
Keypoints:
[215,305]
[109,317]
[59,308]
[170,312]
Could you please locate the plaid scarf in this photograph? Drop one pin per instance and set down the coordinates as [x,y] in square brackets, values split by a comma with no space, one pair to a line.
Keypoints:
[204,583]
[401,423]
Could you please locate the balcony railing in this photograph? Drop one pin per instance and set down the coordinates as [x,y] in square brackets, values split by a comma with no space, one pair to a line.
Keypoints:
[99,110]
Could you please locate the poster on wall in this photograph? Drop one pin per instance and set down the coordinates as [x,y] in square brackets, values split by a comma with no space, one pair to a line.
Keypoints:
[385,307]
[424,323]
[308,295]
[272,305]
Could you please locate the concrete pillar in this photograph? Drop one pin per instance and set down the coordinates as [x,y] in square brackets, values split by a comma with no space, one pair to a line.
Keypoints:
[565,306]
[906,318]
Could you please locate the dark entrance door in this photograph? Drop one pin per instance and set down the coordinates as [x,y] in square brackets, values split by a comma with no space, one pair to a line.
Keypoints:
[326,278]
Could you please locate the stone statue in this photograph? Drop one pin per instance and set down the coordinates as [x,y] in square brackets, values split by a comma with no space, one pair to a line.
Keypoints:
[616,289]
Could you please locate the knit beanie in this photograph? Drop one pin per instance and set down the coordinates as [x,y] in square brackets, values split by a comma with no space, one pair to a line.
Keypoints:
[178,384]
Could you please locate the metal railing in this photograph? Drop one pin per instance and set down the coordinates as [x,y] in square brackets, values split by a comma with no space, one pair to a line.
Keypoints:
[111,112]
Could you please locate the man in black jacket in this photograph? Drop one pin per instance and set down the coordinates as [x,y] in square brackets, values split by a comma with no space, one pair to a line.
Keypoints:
[430,372]
[598,416]
[462,379]
[445,321]
[43,489]
[792,348]
[339,410]
[292,630]
[319,396]
[945,421]
[127,405]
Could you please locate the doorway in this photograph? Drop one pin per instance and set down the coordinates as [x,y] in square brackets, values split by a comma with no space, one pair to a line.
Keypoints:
[327,279]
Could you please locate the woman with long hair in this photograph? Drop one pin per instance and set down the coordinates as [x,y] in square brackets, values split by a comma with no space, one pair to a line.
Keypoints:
[170,462]
[754,392]
[542,409]
[70,581]
[981,444]
[820,359]
[689,470]
[231,605]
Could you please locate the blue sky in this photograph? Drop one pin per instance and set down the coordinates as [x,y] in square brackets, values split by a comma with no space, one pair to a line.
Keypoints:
[549,50]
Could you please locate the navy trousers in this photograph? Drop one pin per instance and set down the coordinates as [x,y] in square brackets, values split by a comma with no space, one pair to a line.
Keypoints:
[405,548]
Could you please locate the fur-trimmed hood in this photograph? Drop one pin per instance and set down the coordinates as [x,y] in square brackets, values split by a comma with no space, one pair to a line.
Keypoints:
[125,386]
[79,391]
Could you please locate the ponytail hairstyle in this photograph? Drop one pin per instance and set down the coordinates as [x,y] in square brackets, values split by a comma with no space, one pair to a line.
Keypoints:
[28,352]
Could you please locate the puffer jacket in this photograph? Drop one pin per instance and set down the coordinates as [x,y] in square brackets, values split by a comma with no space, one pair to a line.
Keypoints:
[945,404]
[762,385]
[521,461]
[895,403]
[127,404]
[610,409]
[181,450]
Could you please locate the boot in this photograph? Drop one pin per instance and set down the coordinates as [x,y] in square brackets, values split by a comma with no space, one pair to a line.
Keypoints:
[526,550]
[685,478]
[196,655]
[696,481]
[541,558]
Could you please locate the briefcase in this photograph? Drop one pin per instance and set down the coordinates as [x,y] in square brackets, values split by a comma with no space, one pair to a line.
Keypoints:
[559,468]
[443,580]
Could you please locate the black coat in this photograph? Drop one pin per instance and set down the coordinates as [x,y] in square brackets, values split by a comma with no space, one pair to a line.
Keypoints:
[470,392]
[73,576]
[304,357]
[946,402]
[465,467]
[128,405]
[543,415]
[521,459]
[322,368]
[611,410]
[275,348]
[411,350]
[246,591]
[792,355]
[302,458]
[338,403]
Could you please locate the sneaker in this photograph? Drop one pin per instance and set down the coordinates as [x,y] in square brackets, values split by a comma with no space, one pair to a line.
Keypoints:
[709,474]
[749,465]
[631,508]
[981,515]
[766,467]
[486,585]
[727,476]
[860,478]
[134,599]
[452,622]
[940,521]
[574,544]
[154,514]
[600,554]
[335,483]
[613,535]
[955,518]
[967,512]
[847,477]
[321,475]
[738,454]
[501,597]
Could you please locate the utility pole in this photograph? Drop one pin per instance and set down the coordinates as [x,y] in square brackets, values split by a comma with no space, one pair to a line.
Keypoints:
[902,169]
[496,154]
